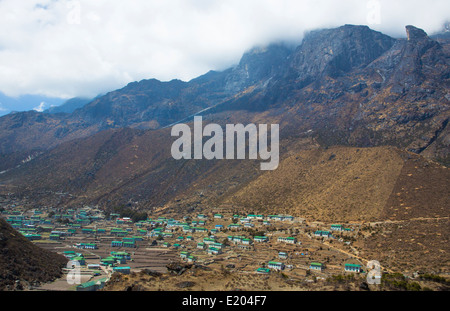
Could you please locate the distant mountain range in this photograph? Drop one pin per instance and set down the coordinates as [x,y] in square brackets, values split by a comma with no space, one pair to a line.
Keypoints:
[348,86]
[27,102]
[69,106]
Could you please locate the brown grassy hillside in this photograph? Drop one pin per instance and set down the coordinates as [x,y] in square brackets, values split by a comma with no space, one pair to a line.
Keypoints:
[21,260]
[334,184]
[337,184]
[202,278]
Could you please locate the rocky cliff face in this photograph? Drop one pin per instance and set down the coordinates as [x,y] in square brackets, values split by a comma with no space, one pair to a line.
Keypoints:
[258,65]
[153,104]
[413,100]
[335,52]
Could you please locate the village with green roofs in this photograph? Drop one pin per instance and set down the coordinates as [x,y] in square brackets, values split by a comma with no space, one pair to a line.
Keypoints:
[99,244]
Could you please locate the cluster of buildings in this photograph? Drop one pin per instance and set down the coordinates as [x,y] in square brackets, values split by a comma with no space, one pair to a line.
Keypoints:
[194,237]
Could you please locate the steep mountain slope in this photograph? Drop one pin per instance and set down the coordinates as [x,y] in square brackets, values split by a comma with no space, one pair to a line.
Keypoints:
[118,166]
[350,184]
[69,106]
[400,98]
[135,168]
[31,130]
[335,52]
[350,85]
[148,104]
[21,260]
[153,104]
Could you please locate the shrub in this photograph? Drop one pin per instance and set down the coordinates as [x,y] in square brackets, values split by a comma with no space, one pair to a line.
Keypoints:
[434,278]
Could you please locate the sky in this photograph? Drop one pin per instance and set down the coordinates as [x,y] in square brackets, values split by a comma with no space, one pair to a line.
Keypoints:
[81,48]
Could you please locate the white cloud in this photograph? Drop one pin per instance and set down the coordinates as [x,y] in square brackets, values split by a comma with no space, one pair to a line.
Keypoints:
[66,48]
[3,110]
[40,108]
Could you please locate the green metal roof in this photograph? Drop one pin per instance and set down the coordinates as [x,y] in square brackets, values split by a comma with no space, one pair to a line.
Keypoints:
[274,263]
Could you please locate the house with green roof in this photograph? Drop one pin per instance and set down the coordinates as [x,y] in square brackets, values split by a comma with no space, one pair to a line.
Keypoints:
[289,240]
[263,270]
[217,245]
[129,244]
[261,239]
[124,270]
[282,255]
[214,251]
[235,227]
[236,239]
[87,231]
[200,229]
[86,246]
[191,259]
[246,241]
[66,253]
[108,261]
[208,241]
[116,243]
[184,255]
[92,285]
[188,229]
[33,237]
[275,265]
[336,227]
[320,233]
[80,260]
[72,230]
[316,266]
[55,237]
[352,268]
[125,255]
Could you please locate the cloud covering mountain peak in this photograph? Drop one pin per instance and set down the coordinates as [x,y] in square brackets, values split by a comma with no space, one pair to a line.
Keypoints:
[69,48]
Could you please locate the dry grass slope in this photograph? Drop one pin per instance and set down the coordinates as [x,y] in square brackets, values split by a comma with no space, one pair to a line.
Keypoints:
[336,185]
[21,260]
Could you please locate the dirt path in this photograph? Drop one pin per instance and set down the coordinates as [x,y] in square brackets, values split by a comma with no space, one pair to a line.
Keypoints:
[407,220]
[361,259]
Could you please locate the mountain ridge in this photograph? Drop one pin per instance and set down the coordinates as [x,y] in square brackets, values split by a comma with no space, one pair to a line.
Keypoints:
[365,67]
